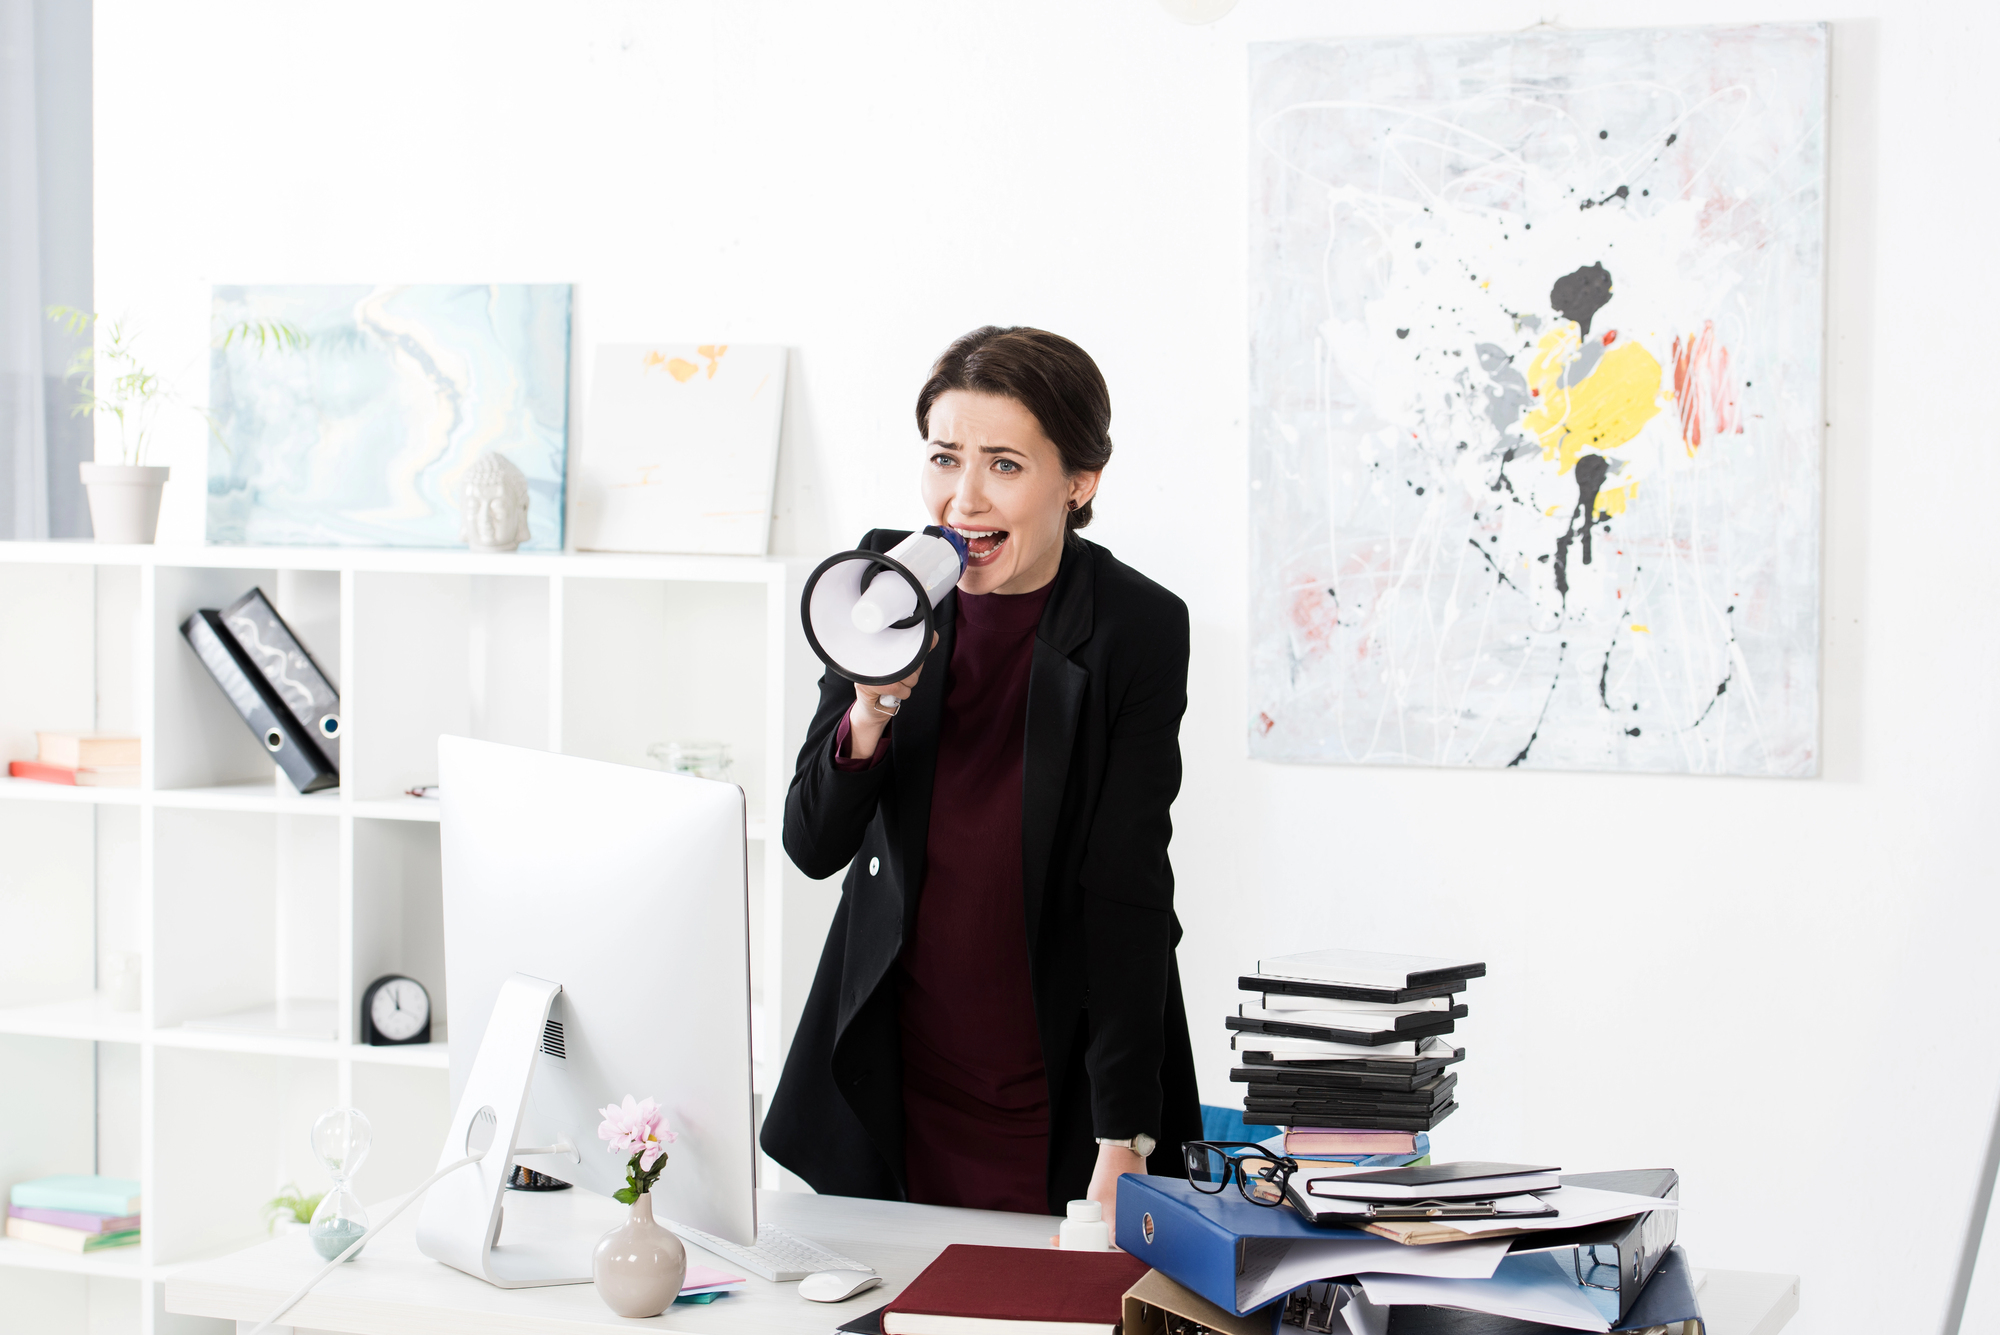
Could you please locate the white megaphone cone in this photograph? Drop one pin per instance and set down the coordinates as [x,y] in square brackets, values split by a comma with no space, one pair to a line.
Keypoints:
[870,615]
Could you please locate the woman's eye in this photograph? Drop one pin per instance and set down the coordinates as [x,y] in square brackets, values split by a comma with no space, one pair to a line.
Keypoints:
[943,461]
[1006,466]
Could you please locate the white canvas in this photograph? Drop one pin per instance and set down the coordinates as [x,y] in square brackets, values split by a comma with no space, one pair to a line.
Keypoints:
[680,450]
[1536,329]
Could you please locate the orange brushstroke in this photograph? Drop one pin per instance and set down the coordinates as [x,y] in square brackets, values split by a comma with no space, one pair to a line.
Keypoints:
[1702,388]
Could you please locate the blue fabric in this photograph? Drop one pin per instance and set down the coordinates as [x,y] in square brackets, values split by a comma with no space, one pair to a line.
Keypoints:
[1228,1124]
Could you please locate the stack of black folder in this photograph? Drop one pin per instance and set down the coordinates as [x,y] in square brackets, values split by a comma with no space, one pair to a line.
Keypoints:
[1350,1040]
[275,686]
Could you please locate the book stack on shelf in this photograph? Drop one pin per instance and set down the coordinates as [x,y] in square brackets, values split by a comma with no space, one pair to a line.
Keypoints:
[75,1214]
[82,760]
[1346,1050]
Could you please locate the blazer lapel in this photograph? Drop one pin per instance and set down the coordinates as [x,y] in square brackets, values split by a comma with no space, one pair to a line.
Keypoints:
[1055,696]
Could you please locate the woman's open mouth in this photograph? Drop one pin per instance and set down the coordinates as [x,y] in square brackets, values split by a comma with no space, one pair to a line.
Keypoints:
[982,545]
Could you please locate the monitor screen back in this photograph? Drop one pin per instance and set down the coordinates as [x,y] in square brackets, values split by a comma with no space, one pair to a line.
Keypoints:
[629,888]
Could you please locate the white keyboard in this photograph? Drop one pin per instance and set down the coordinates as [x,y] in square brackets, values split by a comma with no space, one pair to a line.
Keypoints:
[779,1255]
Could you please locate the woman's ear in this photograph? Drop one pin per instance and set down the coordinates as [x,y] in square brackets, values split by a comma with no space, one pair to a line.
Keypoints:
[1082,488]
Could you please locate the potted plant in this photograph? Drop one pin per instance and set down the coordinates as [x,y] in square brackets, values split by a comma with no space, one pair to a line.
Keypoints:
[125,496]
[290,1211]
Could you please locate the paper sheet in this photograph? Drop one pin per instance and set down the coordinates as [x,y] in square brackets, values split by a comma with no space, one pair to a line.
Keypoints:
[1578,1205]
[1526,1288]
[1276,1266]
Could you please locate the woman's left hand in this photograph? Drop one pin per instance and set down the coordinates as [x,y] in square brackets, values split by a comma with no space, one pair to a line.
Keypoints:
[1112,1160]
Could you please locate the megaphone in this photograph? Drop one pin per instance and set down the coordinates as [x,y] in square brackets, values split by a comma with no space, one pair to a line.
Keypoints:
[869,615]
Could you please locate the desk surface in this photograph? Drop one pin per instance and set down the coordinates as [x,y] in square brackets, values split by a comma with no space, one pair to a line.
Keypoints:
[393,1289]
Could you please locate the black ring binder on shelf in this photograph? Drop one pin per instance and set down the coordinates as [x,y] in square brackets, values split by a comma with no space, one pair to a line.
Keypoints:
[271,722]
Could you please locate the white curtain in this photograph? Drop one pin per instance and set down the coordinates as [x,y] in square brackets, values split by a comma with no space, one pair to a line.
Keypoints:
[24,460]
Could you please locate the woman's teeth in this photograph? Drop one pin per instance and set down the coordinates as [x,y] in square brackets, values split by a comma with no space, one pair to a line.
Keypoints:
[982,544]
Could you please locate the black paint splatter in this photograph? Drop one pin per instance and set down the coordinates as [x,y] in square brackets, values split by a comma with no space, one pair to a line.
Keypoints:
[1553,682]
[1590,472]
[1622,192]
[1498,573]
[1402,333]
[1580,295]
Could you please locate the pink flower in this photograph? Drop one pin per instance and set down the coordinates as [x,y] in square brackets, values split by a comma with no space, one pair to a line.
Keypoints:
[636,1129]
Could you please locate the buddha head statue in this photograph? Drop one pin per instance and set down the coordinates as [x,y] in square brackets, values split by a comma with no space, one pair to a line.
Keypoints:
[493,505]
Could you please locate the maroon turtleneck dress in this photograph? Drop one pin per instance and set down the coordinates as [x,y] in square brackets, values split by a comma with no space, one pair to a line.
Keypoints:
[975,1096]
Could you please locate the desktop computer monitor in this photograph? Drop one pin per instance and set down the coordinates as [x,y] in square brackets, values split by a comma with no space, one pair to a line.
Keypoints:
[628,889]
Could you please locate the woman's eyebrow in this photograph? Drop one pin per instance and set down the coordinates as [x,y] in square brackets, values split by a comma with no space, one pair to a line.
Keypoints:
[1001,449]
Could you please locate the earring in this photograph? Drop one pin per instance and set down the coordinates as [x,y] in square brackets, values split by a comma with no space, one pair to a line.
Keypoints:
[1072,502]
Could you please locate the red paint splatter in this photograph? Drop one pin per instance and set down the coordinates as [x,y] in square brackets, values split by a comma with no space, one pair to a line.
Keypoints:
[1314,615]
[1265,723]
[1609,334]
[1536,392]
[1703,389]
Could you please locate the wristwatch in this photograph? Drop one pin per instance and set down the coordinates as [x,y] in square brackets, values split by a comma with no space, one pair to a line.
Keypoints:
[1142,1144]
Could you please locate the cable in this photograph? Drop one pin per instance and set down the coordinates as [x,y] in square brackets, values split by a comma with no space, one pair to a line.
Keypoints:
[362,1241]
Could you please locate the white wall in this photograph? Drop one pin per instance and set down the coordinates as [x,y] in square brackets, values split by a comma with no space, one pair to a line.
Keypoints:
[1778,987]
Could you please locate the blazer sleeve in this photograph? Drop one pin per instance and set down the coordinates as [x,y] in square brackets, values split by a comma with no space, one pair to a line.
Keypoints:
[827,809]
[1128,885]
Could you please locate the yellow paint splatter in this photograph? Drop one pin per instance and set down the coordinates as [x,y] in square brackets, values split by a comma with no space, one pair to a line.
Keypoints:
[1641,627]
[1604,410]
[679,368]
[1551,511]
[1612,500]
[713,352]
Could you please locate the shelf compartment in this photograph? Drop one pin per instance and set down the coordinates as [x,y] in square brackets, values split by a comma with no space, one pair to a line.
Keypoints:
[230,1129]
[438,654]
[646,661]
[246,906]
[48,886]
[399,912]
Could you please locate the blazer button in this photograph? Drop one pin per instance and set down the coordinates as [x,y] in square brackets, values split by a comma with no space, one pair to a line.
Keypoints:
[874,866]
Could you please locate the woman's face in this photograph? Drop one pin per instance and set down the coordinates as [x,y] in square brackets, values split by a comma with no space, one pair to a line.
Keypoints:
[990,473]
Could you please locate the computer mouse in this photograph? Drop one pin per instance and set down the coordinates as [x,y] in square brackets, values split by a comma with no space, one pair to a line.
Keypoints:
[833,1286]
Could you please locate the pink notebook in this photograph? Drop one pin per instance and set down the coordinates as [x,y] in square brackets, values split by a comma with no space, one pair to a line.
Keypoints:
[700,1279]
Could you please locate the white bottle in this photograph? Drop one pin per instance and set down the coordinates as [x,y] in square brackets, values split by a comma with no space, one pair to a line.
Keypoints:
[1085,1230]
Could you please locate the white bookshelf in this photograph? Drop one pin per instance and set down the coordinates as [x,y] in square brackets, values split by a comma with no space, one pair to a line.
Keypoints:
[237,893]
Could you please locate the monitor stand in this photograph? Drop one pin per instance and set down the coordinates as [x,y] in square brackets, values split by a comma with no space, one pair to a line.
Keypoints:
[539,1240]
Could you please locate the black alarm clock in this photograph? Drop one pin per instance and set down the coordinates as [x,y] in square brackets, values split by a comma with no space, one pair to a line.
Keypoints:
[395,1010]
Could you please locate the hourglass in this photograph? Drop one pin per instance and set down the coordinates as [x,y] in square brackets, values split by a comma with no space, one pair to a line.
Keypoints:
[340,1138]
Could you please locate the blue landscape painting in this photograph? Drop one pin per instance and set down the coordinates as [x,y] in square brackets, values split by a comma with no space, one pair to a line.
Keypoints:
[362,437]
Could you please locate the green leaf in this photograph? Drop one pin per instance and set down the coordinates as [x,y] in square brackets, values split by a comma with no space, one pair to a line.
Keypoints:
[625,1195]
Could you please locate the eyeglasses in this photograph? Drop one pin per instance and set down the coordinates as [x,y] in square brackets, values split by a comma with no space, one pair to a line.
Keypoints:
[1260,1175]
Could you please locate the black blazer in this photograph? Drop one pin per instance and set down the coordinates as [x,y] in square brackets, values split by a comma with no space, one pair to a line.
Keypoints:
[1106,693]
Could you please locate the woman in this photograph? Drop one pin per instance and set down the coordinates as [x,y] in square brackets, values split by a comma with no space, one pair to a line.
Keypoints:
[996,1021]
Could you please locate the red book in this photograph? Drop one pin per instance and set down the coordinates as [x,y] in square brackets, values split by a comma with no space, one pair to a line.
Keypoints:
[115,776]
[1015,1291]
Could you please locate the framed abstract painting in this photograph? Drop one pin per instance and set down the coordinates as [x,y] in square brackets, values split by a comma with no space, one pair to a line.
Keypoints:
[363,436]
[1536,355]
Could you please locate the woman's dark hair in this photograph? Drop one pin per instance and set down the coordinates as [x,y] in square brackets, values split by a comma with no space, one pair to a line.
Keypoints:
[1045,373]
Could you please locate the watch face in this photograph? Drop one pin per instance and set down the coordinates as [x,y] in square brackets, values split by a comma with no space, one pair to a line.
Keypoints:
[400,1009]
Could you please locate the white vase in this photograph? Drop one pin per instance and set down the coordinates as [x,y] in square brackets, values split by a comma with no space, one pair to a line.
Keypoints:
[639,1266]
[124,500]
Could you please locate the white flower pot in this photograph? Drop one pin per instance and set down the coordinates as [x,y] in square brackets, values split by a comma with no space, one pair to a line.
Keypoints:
[124,500]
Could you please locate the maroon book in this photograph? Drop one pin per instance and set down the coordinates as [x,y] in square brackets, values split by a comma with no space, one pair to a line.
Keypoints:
[1018,1290]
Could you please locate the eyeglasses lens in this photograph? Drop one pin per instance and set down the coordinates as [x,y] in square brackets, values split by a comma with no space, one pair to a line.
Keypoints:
[1206,1169]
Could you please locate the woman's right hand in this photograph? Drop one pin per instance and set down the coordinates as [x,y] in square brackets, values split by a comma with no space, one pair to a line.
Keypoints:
[868,718]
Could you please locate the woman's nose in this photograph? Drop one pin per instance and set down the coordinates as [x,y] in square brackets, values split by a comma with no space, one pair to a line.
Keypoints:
[970,498]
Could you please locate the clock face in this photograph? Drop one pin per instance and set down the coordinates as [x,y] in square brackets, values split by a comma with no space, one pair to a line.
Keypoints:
[400,1009]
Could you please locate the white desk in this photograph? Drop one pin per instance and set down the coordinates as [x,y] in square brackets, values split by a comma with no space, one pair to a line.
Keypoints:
[393,1289]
